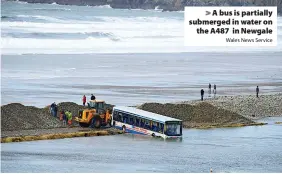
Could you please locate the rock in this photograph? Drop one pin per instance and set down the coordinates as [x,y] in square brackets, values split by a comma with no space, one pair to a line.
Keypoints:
[166,5]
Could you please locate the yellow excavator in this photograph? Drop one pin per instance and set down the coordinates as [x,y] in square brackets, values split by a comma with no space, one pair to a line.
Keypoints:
[96,115]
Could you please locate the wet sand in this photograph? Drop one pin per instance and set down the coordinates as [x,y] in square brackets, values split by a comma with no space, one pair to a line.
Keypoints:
[133,79]
[51,131]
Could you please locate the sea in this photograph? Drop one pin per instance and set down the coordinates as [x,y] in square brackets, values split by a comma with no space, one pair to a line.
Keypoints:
[56,53]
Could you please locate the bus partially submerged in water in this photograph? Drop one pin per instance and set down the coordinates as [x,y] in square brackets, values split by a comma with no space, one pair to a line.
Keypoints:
[137,121]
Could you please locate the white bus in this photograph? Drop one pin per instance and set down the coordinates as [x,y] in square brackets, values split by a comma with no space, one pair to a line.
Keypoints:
[137,121]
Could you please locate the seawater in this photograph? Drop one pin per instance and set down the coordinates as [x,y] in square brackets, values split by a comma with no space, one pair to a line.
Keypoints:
[60,29]
[54,53]
[246,149]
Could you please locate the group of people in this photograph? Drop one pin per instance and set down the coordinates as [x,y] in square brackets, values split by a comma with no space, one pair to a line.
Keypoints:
[203,92]
[65,116]
[84,99]
[214,91]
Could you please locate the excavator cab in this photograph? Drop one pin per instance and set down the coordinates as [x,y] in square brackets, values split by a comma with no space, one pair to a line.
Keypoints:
[98,105]
[96,115]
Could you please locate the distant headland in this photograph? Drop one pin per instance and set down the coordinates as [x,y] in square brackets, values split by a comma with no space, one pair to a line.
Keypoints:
[165,5]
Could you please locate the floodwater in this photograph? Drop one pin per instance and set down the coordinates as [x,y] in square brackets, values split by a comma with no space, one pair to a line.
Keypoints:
[245,149]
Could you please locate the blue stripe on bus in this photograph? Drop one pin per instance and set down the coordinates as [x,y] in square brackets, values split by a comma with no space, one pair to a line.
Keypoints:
[139,116]
[130,131]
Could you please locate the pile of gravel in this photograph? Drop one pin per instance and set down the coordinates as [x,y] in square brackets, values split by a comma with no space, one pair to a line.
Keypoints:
[70,106]
[16,116]
[249,105]
[199,113]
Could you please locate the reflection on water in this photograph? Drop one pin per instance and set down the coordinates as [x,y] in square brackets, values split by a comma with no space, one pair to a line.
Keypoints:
[137,137]
[244,149]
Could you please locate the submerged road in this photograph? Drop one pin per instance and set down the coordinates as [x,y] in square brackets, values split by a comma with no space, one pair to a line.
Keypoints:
[245,149]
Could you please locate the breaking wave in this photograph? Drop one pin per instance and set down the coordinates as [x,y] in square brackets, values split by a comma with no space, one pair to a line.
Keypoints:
[8,18]
[103,6]
[59,29]
[21,2]
[71,36]
[31,18]
[52,9]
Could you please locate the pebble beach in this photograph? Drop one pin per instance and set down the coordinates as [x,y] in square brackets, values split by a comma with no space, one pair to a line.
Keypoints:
[248,106]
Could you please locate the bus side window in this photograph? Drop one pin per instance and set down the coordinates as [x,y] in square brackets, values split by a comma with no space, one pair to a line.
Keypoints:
[158,127]
[137,122]
[142,123]
[125,119]
[128,119]
[153,126]
[147,124]
[134,121]
[120,117]
[131,121]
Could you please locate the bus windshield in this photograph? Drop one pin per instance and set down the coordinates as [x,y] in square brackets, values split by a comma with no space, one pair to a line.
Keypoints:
[173,129]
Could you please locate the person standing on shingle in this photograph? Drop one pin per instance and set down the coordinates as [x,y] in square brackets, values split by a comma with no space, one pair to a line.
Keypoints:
[209,90]
[214,90]
[257,91]
[202,94]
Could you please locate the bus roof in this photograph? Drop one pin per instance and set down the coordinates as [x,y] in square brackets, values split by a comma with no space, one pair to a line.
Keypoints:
[142,113]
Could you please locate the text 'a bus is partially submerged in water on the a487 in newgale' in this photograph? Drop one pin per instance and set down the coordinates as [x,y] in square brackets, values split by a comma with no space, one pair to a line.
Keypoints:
[137,121]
